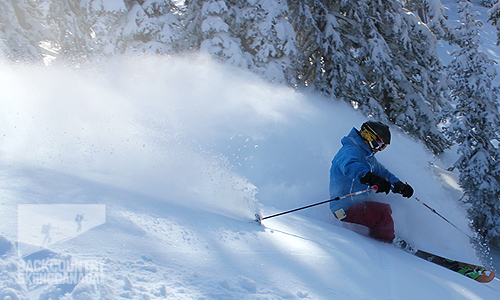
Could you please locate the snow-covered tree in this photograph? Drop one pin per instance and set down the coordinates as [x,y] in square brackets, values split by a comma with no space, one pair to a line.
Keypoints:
[69,21]
[192,19]
[494,17]
[267,36]
[402,67]
[22,29]
[252,34]
[308,38]
[149,26]
[208,30]
[432,12]
[377,56]
[474,126]
[326,64]
[103,20]
[488,3]
[133,26]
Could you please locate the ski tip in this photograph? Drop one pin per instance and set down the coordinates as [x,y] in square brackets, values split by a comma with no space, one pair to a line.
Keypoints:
[258,219]
[487,276]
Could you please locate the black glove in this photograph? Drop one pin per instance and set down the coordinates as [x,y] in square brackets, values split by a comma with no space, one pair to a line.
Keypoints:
[403,188]
[383,185]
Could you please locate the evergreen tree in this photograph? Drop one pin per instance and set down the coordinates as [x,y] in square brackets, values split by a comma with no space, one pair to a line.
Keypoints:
[73,34]
[133,26]
[326,62]
[489,3]
[267,38]
[432,13]
[494,16]
[208,30]
[308,37]
[149,26]
[192,18]
[104,22]
[22,29]
[250,34]
[402,67]
[377,56]
[474,126]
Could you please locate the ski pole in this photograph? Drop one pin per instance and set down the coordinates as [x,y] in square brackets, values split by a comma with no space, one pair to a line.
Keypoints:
[434,211]
[258,218]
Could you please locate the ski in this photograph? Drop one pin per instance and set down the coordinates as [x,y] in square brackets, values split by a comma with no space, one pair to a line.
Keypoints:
[476,272]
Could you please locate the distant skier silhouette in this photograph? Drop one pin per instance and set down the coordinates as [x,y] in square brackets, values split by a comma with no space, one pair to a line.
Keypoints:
[78,220]
[46,231]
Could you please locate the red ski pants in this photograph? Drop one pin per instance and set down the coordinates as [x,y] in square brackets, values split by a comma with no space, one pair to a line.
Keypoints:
[374,215]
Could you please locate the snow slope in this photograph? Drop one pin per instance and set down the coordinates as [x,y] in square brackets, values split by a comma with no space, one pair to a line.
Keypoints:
[177,170]
[179,153]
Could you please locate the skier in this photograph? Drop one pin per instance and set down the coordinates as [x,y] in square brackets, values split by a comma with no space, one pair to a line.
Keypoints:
[78,220]
[355,168]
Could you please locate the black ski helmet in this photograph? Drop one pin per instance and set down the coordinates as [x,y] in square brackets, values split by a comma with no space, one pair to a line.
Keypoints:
[375,132]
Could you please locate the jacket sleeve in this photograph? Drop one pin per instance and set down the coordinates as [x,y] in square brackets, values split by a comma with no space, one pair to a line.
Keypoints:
[380,170]
[351,163]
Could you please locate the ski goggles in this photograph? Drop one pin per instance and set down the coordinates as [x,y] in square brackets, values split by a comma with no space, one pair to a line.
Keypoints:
[376,143]
[380,145]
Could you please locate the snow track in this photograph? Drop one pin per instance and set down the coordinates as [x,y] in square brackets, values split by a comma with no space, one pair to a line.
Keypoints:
[186,253]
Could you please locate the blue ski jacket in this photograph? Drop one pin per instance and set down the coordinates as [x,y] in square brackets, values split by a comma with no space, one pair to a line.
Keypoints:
[349,165]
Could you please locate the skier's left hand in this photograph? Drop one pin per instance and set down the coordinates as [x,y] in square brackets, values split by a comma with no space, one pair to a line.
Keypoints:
[403,188]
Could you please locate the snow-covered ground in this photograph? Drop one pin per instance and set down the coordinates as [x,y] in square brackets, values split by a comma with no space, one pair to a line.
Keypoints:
[180,153]
[168,159]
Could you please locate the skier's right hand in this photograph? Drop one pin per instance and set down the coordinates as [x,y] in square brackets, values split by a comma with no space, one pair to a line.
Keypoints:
[403,188]
[383,185]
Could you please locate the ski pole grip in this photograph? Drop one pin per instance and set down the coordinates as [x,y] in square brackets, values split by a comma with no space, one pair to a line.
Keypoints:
[375,187]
